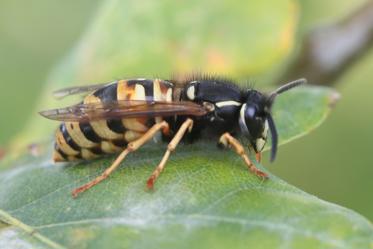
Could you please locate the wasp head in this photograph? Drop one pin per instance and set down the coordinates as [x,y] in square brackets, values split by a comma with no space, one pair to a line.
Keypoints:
[255,119]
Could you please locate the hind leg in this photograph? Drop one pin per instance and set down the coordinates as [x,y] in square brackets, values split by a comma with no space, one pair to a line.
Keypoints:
[131,147]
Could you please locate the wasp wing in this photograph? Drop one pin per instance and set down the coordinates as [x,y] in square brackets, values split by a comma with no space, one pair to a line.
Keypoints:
[123,109]
[62,93]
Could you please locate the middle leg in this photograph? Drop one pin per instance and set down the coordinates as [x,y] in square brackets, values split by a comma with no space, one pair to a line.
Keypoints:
[187,125]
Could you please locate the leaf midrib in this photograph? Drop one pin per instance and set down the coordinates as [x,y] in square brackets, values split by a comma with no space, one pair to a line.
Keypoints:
[31,231]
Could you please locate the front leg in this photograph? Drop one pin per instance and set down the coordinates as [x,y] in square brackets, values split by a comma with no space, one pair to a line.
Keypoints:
[228,141]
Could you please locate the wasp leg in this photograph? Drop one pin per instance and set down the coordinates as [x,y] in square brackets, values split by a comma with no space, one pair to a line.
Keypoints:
[258,157]
[187,125]
[132,146]
[227,140]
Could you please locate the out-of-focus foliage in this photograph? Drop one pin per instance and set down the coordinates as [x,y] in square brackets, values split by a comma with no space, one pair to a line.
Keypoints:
[334,160]
[315,13]
[34,37]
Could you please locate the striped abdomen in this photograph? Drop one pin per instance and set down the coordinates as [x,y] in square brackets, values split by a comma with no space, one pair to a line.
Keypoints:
[89,140]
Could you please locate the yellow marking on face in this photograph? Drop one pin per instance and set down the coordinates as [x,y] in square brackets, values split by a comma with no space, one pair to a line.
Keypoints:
[77,135]
[242,114]
[61,143]
[109,147]
[260,142]
[265,131]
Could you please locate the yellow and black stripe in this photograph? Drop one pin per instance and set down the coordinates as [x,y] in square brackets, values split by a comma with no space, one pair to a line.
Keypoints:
[74,141]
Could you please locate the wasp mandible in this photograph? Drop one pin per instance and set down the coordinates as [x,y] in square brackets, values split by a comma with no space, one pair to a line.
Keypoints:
[121,116]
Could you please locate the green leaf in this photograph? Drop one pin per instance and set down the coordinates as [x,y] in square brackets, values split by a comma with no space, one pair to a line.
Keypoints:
[205,198]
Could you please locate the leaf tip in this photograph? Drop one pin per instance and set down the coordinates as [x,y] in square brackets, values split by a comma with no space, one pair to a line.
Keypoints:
[334,97]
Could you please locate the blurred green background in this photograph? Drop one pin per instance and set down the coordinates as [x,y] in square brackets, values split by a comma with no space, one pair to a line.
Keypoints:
[333,162]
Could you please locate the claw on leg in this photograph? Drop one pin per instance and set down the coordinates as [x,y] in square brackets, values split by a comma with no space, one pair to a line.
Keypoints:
[104,175]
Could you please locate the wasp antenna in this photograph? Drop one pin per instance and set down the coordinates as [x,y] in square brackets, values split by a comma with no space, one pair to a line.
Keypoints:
[290,85]
[285,88]
[274,136]
[271,123]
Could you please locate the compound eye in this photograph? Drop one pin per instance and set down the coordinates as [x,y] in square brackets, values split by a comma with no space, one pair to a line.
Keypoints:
[254,122]
[250,112]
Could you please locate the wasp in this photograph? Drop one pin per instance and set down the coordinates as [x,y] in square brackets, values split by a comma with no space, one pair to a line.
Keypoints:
[121,116]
